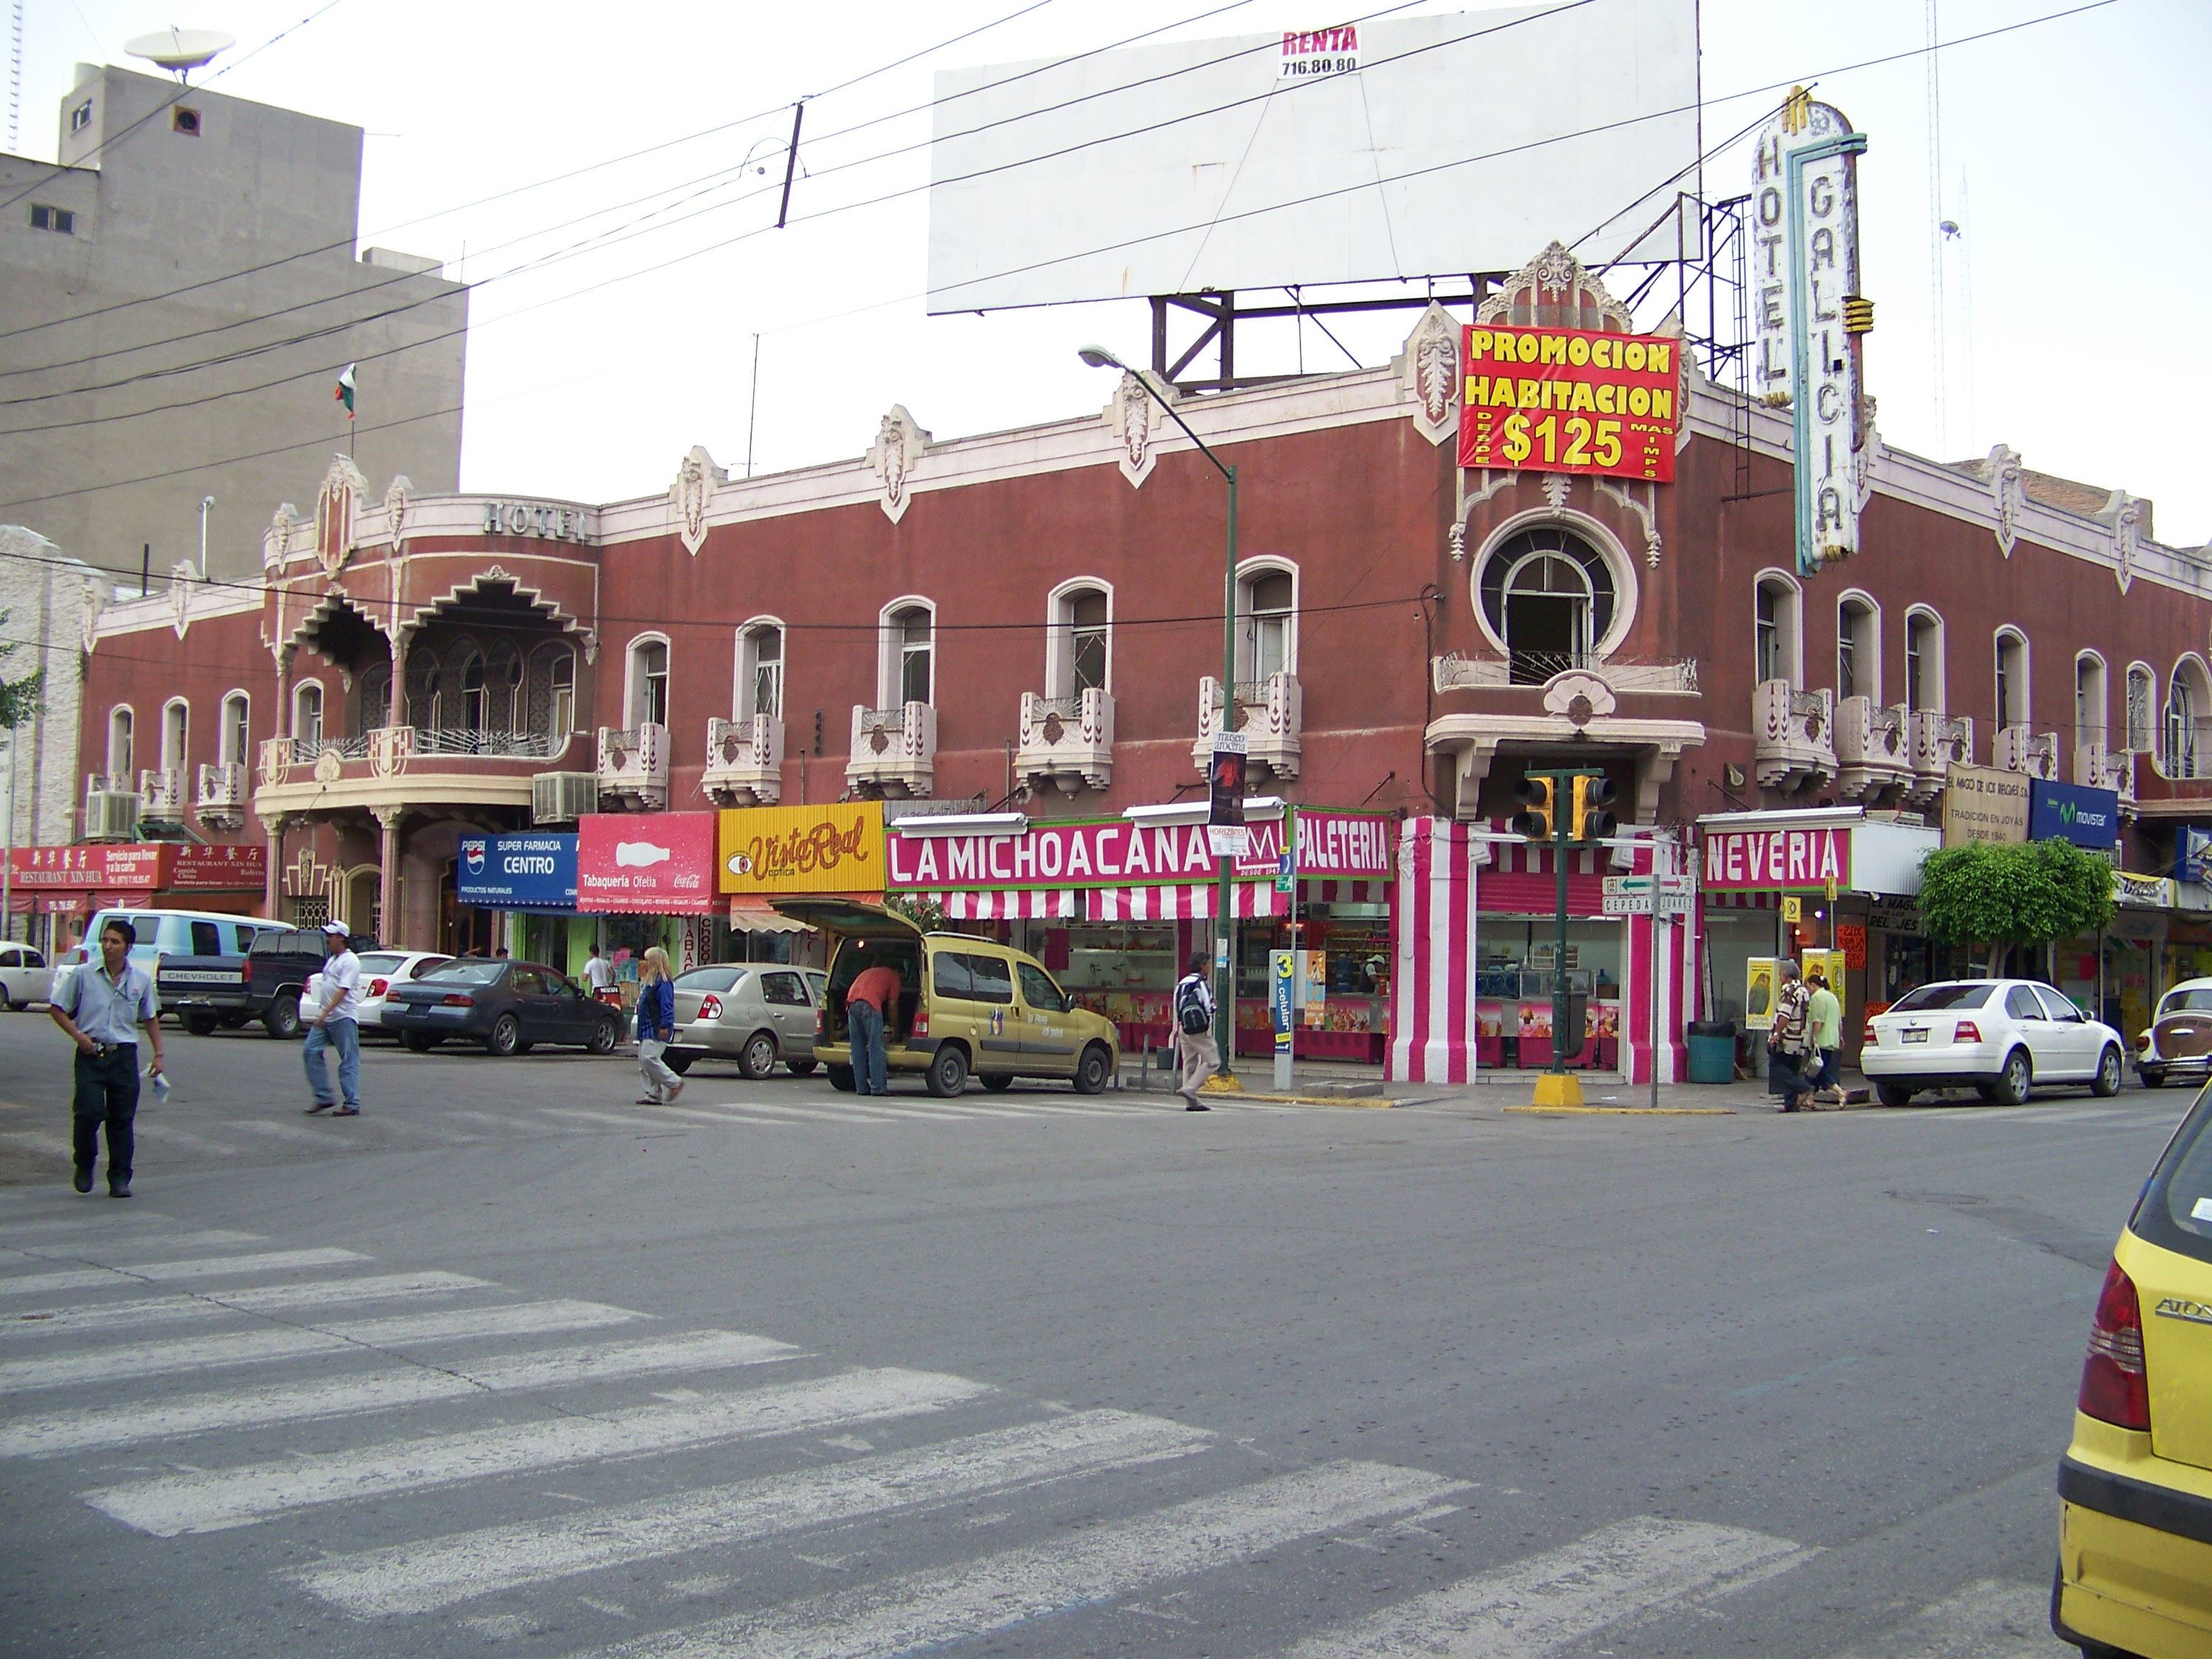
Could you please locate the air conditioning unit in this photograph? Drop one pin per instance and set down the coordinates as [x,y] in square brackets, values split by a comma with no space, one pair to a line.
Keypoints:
[111,815]
[562,796]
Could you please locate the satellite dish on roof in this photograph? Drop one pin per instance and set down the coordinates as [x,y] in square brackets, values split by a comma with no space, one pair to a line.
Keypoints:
[180,50]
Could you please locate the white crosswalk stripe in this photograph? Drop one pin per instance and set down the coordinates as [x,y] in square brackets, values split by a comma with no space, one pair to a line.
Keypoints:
[104,1317]
[80,1278]
[25,1255]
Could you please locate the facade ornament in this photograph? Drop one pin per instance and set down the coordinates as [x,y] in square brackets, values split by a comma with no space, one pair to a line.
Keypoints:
[329,768]
[1459,543]
[1428,373]
[276,540]
[1129,417]
[182,574]
[2007,494]
[1578,697]
[899,447]
[591,646]
[1493,480]
[1866,463]
[398,499]
[87,616]
[1645,506]
[2123,514]
[337,505]
[1552,289]
[1556,488]
[692,495]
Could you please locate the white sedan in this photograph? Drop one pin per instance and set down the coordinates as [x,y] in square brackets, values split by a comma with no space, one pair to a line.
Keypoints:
[24,976]
[382,969]
[1999,1036]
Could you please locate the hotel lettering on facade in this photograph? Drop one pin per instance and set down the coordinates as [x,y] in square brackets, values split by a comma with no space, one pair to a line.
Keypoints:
[1005,641]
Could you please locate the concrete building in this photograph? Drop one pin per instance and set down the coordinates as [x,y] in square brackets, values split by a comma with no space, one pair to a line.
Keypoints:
[49,604]
[177,298]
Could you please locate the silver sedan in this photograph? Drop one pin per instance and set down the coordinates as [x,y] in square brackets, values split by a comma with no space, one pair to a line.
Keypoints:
[756,1013]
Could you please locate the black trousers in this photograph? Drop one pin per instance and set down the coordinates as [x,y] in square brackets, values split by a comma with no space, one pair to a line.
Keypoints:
[108,1091]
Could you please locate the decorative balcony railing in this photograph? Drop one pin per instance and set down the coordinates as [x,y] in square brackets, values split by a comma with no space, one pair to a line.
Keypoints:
[1939,742]
[1067,743]
[2096,767]
[1454,672]
[1271,713]
[745,762]
[464,740]
[161,793]
[308,749]
[2018,749]
[634,766]
[220,799]
[1793,735]
[893,750]
[1874,748]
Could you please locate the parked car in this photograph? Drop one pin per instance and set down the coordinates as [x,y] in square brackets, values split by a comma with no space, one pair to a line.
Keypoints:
[2180,1042]
[382,969]
[1999,1036]
[254,970]
[65,964]
[509,1006]
[971,1005]
[24,976]
[756,1013]
[179,932]
[2135,1488]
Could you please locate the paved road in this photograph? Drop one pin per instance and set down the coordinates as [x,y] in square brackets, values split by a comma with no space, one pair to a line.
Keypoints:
[510,1361]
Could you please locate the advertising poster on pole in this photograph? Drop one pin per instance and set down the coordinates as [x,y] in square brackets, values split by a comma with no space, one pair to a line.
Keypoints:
[1225,833]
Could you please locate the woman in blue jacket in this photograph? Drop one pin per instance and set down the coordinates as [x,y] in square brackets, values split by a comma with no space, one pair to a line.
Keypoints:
[656,1030]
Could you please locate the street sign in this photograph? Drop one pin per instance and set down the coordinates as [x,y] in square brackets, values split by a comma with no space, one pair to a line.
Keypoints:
[1626,904]
[1643,884]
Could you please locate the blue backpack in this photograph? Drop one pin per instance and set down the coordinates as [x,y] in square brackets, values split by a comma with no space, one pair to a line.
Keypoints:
[1190,1007]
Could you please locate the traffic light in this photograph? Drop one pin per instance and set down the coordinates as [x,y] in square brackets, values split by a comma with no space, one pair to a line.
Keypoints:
[1539,816]
[1592,821]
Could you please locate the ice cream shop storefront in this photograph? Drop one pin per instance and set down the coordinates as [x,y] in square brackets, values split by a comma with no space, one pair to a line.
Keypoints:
[1116,907]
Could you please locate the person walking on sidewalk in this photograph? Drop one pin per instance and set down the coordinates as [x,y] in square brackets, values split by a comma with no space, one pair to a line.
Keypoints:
[598,974]
[1194,1045]
[869,1007]
[656,1030]
[1824,1015]
[101,1008]
[1787,1038]
[336,1026]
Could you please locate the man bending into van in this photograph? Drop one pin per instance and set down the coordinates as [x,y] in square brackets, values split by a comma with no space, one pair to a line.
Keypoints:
[869,1007]
[101,1008]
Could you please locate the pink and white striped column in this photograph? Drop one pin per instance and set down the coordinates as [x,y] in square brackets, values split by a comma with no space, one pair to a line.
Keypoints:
[1432,1027]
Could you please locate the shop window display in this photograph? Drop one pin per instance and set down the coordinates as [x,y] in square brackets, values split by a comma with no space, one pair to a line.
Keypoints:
[1517,960]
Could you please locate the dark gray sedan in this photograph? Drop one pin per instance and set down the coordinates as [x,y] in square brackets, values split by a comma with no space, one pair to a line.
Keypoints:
[508,1006]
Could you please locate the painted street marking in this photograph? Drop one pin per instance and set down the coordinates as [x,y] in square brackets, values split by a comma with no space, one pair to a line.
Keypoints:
[261,1298]
[92,1251]
[422,1577]
[79,1279]
[1987,1619]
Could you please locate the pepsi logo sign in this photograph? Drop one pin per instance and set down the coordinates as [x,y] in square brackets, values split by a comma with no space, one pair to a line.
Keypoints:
[473,853]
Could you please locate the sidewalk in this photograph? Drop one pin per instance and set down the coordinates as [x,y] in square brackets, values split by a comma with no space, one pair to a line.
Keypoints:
[1345,1084]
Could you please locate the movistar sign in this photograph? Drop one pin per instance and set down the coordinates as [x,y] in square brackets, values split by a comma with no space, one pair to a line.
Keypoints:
[2069,812]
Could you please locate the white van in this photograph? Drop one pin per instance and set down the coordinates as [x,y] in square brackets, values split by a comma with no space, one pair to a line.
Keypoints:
[180,933]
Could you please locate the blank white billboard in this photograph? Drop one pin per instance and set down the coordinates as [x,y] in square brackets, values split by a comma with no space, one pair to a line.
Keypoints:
[1420,147]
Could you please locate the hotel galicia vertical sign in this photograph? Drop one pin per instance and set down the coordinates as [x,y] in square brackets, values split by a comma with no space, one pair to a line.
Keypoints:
[1811,318]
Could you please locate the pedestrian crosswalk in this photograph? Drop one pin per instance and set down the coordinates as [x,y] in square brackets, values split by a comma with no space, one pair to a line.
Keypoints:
[434,1458]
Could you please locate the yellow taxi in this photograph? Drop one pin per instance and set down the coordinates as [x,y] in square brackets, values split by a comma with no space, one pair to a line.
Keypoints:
[2134,1526]
[971,1006]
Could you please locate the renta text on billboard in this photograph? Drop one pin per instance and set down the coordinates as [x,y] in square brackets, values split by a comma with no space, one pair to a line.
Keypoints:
[1753,861]
[534,871]
[1570,400]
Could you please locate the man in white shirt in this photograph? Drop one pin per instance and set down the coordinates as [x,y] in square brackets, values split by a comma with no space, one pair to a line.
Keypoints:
[1195,1048]
[336,1025]
[598,974]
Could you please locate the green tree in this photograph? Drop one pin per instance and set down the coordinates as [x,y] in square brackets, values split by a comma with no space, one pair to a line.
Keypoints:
[924,913]
[2027,893]
[19,698]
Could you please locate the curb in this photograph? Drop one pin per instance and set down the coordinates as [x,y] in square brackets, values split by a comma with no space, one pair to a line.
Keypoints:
[1625,1111]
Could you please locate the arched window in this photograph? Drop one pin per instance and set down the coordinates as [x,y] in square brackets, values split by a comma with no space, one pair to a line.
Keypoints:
[1924,661]
[552,694]
[120,722]
[176,734]
[1266,623]
[504,675]
[375,698]
[475,704]
[2012,700]
[1549,595]
[1078,655]
[2142,698]
[1777,629]
[237,727]
[648,681]
[2188,706]
[2089,715]
[1858,648]
[760,670]
[307,714]
[906,670]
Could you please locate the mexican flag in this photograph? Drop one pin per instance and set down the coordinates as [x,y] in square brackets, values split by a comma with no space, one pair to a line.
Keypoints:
[343,391]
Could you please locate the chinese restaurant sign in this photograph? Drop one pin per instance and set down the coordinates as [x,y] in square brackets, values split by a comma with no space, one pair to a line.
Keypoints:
[1113,853]
[646,863]
[1751,860]
[837,848]
[1568,400]
[143,866]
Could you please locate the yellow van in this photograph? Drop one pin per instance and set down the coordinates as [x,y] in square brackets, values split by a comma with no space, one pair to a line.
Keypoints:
[970,1007]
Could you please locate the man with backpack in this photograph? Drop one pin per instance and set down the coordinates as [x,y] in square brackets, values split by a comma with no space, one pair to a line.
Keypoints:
[1194,1045]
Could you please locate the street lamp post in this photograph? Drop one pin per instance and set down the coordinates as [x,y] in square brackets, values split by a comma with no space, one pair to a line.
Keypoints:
[1224,1001]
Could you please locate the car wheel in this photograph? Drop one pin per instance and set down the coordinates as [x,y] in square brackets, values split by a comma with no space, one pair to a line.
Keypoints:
[608,1032]
[800,1067]
[678,1063]
[2012,1084]
[948,1071]
[2152,1079]
[506,1036]
[1093,1071]
[841,1078]
[17,1007]
[1894,1094]
[199,1023]
[282,1019]
[420,1043]
[757,1059]
[2108,1075]
[997,1082]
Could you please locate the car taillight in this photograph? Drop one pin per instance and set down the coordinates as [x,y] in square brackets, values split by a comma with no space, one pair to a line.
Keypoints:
[2113,1387]
[246,972]
[822,1022]
[456,999]
[921,1022]
[1967,1032]
[1868,1037]
[710,1008]
[377,988]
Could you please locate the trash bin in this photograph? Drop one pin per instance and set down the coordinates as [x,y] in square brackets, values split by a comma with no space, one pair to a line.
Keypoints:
[1712,1051]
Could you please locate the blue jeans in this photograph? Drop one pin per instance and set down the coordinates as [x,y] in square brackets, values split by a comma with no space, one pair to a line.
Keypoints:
[343,1036]
[869,1062]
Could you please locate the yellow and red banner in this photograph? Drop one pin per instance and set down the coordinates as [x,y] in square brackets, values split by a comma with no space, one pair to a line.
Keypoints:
[1569,400]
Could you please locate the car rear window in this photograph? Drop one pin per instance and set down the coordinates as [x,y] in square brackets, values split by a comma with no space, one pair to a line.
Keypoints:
[2175,1213]
[710,979]
[1943,996]
[468,973]
[379,962]
[2182,1002]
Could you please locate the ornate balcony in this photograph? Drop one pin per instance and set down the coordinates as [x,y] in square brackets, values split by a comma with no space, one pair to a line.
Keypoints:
[1271,713]
[220,800]
[1794,736]
[745,762]
[2019,749]
[893,752]
[1874,748]
[634,766]
[1067,743]
[2098,767]
[1939,742]
[1535,670]
[161,793]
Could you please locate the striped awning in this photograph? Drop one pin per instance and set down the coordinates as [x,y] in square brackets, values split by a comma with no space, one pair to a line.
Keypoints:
[1193,902]
[1314,890]
[751,914]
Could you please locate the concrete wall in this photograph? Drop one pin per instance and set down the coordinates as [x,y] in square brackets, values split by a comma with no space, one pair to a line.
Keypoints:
[42,599]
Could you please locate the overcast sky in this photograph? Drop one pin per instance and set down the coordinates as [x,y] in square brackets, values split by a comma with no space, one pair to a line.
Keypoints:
[2071,163]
